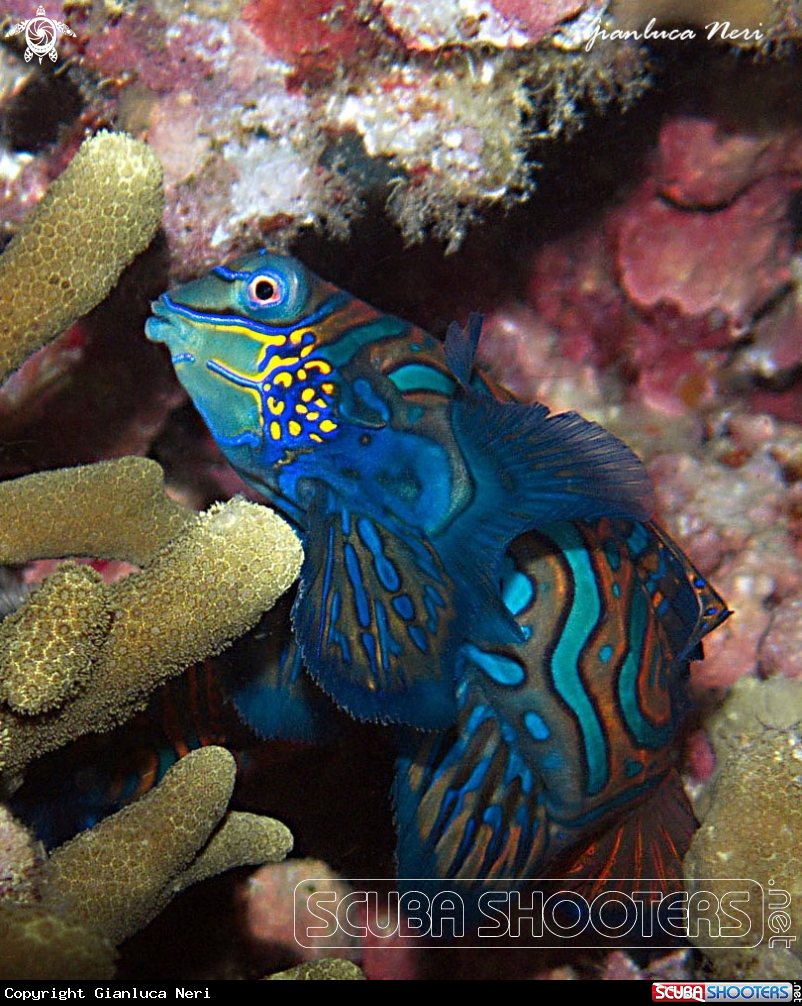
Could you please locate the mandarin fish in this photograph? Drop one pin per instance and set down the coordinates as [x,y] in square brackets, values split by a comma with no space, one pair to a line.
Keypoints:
[480,572]
[405,482]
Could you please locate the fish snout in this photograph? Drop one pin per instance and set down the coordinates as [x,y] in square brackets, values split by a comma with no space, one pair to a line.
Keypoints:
[157,327]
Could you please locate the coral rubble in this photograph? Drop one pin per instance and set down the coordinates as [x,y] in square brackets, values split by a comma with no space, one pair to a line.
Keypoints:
[268,117]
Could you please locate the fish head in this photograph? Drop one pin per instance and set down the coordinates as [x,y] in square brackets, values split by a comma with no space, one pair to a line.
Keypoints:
[244,342]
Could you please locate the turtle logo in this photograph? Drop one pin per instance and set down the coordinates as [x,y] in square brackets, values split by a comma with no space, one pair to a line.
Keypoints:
[41,33]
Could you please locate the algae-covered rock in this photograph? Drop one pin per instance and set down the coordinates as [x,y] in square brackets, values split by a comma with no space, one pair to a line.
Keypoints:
[331,969]
[752,826]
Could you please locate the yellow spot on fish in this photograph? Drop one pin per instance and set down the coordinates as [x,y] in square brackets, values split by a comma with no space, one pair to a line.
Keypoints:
[275,430]
[321,365]
[301,408]
[284,379]
[302,374]
[320,403]
[316,438]
[327,426]
[313,416]
[306,351]
[294,428]
[307,394]
[275,407]
[327,388]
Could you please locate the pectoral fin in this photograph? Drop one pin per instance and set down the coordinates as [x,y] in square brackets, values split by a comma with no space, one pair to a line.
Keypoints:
[270,688]
[374,618]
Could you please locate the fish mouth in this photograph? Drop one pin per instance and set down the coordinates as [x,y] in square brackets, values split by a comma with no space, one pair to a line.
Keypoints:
[160,330]
[161,307]
[156,327]
[161,326]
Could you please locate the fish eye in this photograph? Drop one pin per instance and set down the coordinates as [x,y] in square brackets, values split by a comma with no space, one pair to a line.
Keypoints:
[264,291]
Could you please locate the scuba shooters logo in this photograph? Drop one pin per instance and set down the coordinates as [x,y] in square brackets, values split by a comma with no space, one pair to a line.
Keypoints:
[779,920]
[726,991]
[41,33]
[674,991]
[717,913]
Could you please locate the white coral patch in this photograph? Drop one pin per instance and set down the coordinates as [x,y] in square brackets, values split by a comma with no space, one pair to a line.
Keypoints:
[445,121]
[273,178]
[439,23]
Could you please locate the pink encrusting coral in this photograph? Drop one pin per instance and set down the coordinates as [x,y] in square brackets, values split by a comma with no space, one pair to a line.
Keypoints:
[733,508]
[692,280]
[315,38]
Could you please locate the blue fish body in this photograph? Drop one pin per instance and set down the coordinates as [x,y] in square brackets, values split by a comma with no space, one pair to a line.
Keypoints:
[567,734]
[473,567]
[405,482]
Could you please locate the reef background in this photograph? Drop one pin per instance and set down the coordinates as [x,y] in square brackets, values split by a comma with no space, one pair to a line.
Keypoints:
[629,221]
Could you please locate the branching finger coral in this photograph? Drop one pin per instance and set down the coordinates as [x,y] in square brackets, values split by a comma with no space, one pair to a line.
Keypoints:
[44,668]
[94,219]
[233,562]
[99,889]
[82,655]
[111,510]
[37,943]
[120,874]
[331,969]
